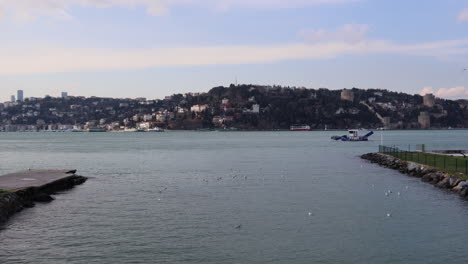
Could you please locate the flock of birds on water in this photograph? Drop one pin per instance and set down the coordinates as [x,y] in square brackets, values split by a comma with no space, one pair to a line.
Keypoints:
[236,174]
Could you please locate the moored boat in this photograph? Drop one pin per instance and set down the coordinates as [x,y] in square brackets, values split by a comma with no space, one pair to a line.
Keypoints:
[96,129]
[156,129]
[299,128]
[353,135]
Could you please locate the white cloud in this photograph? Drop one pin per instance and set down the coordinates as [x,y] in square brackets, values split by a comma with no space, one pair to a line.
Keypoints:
[348,33]
[16,60]
[229,4]
[29,9]
[463,16]
[426,90]
[454,92]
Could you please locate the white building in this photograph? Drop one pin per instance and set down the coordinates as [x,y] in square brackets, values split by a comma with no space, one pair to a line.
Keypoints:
[147,117]
[198,108]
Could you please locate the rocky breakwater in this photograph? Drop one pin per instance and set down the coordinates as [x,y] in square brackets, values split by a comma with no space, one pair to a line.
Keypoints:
[16,199]
[427,174]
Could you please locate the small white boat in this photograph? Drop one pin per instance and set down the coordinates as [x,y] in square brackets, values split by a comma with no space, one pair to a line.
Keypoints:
[156,129]
[299,128]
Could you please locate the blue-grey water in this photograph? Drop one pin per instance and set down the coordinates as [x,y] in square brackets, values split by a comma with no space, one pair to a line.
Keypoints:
[177,197]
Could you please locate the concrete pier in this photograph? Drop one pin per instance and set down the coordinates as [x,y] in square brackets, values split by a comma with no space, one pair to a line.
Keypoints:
[22,189]
[32,178]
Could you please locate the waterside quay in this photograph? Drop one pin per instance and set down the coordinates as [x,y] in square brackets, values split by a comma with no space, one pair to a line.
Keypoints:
[22,189]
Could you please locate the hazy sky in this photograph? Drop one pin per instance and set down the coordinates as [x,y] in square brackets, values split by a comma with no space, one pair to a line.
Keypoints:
[153,48]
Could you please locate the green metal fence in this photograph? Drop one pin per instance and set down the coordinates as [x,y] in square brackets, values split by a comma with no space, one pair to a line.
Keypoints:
[447,163]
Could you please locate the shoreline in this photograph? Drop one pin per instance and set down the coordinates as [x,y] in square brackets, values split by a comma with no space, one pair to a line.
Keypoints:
[236,130]
[440,179]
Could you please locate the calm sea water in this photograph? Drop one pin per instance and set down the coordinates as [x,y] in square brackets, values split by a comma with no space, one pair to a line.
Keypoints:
[177,197]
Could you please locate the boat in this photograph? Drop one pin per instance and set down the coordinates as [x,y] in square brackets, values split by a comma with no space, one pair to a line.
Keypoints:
[156,129]
[353,135]
[96,129]
[299,128]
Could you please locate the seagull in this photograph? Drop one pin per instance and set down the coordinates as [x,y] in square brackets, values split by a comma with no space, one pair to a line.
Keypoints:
[389,215]
[239,227]
[310,213]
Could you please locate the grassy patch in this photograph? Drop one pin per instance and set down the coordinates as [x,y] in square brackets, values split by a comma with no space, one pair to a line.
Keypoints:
[458,166]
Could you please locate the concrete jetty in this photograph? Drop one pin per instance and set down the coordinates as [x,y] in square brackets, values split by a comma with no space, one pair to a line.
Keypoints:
[22,189]
[32,178]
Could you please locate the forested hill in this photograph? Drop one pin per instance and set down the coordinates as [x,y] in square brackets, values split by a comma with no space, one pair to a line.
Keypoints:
[251,107]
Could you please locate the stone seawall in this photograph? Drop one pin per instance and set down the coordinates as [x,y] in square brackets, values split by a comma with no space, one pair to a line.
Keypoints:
[427,174]
[15,201]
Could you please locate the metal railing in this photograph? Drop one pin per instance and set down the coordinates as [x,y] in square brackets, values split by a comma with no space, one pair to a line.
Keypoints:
[448,163]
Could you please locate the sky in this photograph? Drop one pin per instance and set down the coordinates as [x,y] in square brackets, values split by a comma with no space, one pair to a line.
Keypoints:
[154,48]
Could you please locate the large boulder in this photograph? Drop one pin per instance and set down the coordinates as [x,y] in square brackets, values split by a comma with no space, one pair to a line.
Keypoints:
[412,166]
[454,182]
[460,186]
[444,183]
[464,192]
[433,177]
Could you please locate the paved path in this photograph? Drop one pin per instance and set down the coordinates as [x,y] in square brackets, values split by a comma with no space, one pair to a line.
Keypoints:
[32,178]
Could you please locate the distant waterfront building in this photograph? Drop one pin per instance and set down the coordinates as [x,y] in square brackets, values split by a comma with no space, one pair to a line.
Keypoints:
[347,95]
[64,94]
[13,99]
[424,120]
[20,96]
[386,122]
[429,100]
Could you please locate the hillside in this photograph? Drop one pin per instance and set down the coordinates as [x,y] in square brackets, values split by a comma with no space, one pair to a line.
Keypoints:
[249,107]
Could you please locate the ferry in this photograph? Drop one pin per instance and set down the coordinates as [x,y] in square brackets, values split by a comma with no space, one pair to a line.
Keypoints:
[353,135]
[299,128]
